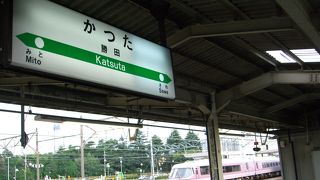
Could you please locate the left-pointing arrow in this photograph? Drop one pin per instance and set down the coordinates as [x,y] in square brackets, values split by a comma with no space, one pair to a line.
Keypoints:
[52,46]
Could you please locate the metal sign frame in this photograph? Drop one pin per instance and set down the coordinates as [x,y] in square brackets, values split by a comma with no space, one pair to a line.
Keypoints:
[6,57]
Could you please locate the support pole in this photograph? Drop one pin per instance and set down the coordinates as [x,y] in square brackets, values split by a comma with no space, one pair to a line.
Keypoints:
[82,152]
[293,155]
[15,172]
[22,123]
[120,164]
[162,30]
[159,9]
[104,163]
[152,160]
[214,149]
[8,167]
[37,154]
[24,138]
[25,166]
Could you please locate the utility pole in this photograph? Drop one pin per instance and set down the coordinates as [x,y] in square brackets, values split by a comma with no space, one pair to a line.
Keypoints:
[120,164]
[15,172]
[8,167]
[104,163]
[82,152]
[152,161]
[25,166]
[37,153]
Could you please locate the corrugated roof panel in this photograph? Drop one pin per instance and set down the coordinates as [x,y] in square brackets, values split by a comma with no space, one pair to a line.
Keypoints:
[213,10]
[209,53]
[228,61]
[315,4]
[309,88]
[259,41]
[257,9]
[243,69]
[266,96]
[107,11]
[284,90]
[243,53]
[251,103]
[190,67]
[181,16]
[101,7]
[293,40]
[203,51]
[217,77]
[177,59]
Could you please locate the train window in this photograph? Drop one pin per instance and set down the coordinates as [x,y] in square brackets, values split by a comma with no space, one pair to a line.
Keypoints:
[247,166]
[181,173]
[231,168]
[257,166]
[204,170]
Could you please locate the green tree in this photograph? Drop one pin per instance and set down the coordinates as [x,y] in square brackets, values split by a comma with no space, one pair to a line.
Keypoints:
[121,143]
[156,141]
[71,168]
[4,163]
[139,153]
[192,142]
[175,139]
[92,165]
[49,164]
[140,141]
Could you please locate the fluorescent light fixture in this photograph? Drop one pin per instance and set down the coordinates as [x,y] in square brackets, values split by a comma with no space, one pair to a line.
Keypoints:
[281,56]
[306,55]
[61,119]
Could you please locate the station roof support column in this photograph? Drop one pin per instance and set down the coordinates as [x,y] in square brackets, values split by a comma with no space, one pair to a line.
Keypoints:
[214,148]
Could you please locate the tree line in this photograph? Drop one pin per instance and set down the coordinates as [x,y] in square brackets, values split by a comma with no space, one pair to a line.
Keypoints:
[134,156]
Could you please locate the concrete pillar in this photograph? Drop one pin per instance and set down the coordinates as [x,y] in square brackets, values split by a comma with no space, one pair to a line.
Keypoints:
[214,147]
[302,156]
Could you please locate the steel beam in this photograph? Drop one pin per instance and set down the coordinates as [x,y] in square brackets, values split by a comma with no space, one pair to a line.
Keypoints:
[266,80]
[148,114]
[61,119]
[291,102]
[198,95]
[254,114]
[28,80]
[230,28]
[298,13]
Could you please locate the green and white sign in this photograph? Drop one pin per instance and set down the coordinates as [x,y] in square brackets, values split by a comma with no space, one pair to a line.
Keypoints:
[53,39]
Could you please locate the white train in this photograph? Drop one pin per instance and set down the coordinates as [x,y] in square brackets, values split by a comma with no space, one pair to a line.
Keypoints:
[233,169]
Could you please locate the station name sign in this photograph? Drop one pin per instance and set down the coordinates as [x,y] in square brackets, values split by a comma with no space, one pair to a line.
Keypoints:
[52,39]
